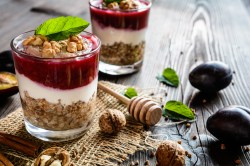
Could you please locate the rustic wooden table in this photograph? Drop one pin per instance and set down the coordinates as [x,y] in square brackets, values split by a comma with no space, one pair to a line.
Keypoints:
[181,35]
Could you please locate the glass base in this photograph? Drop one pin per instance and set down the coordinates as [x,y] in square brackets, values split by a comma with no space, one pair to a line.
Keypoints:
[54,136]
[119,70]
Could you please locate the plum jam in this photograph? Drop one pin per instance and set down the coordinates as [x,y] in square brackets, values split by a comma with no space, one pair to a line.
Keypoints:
[122,32]
[57,89]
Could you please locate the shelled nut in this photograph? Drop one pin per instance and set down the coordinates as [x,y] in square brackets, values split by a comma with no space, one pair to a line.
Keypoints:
[53,156]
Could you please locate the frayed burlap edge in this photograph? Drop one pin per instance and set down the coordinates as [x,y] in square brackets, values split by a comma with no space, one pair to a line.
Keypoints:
[93,148]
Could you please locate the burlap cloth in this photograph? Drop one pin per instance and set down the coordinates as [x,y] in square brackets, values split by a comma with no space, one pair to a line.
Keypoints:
[93,148]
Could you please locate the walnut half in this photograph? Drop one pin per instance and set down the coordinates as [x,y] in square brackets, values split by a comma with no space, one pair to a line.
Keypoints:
[54,156]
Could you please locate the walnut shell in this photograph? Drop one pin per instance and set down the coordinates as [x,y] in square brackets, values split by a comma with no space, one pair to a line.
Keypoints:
[170,153]
[112,121]
[56,153]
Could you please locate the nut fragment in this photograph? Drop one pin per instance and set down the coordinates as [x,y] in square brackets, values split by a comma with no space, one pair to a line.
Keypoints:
[47,50]
[56,46]
[112,121]
[189,155]
[55,156]
[152,155]
[28,40]
[170,153]
[79,43]
[128,4]
[76,39]
[72,47]
[113,5]
[146,162]
[37,42]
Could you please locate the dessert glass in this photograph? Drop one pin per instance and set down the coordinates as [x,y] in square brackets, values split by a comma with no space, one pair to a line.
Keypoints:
[122,33]
[57,94]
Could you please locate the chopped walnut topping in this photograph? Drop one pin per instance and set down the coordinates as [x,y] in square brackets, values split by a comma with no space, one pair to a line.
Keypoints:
[72,47]
[75,39]
[79,44]
[37,42]
[56,46]
[113,5]
[28,40]
[51,49]
[79,47]
[128,4]
[47,50]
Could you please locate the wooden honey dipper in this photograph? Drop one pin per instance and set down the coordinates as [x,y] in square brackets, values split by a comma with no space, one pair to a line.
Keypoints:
[142,109]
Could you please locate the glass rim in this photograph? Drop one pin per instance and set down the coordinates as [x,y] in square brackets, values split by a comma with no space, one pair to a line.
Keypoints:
[83,56]
[121,10]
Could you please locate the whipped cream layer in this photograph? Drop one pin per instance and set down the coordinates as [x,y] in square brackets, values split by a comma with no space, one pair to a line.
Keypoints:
[52,95]
[110,35]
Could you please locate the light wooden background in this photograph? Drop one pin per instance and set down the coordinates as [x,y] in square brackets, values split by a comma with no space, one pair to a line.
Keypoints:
[181,35]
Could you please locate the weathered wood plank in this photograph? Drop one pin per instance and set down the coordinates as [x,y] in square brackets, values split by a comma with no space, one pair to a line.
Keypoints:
[181,35]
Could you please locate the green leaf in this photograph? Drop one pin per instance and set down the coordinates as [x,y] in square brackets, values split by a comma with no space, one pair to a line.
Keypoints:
[130,92]
[61,28]
[164,80]
[110,1]
[178,111]
[170,75]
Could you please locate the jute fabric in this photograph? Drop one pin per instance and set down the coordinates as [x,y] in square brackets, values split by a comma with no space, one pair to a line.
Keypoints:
[94,147]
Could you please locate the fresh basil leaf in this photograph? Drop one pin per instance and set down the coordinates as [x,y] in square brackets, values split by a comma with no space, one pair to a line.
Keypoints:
[178,111]
[130,93]
[110,1]
[61,28]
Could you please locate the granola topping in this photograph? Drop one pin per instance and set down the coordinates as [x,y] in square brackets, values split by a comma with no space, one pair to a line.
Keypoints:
[40,46]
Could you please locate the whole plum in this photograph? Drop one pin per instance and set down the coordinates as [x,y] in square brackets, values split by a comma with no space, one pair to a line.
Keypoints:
[231,125]
[6,62]
[210,77]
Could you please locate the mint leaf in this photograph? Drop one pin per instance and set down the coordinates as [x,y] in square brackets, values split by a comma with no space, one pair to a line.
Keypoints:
[164,80]
[110,1]
[169,77]
[178,111]
[130,93]
[61,28]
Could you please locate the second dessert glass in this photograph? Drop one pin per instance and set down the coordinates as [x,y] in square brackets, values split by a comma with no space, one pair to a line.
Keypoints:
[122,33]
[57,94]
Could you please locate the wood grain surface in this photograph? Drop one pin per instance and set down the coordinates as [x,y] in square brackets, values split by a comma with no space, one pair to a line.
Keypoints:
[181,34]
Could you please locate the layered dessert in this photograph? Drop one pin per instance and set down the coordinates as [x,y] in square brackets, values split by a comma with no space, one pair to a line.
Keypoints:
[57,80]
[121,25]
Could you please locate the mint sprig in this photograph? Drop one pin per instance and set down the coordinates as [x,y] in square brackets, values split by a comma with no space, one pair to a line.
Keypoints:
[61,28]
[176,110]
[169,77]
[130,93]
[111,1]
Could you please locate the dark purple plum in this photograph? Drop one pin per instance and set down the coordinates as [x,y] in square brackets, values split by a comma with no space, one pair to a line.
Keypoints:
[231,125]
[6,62]
[211,77]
